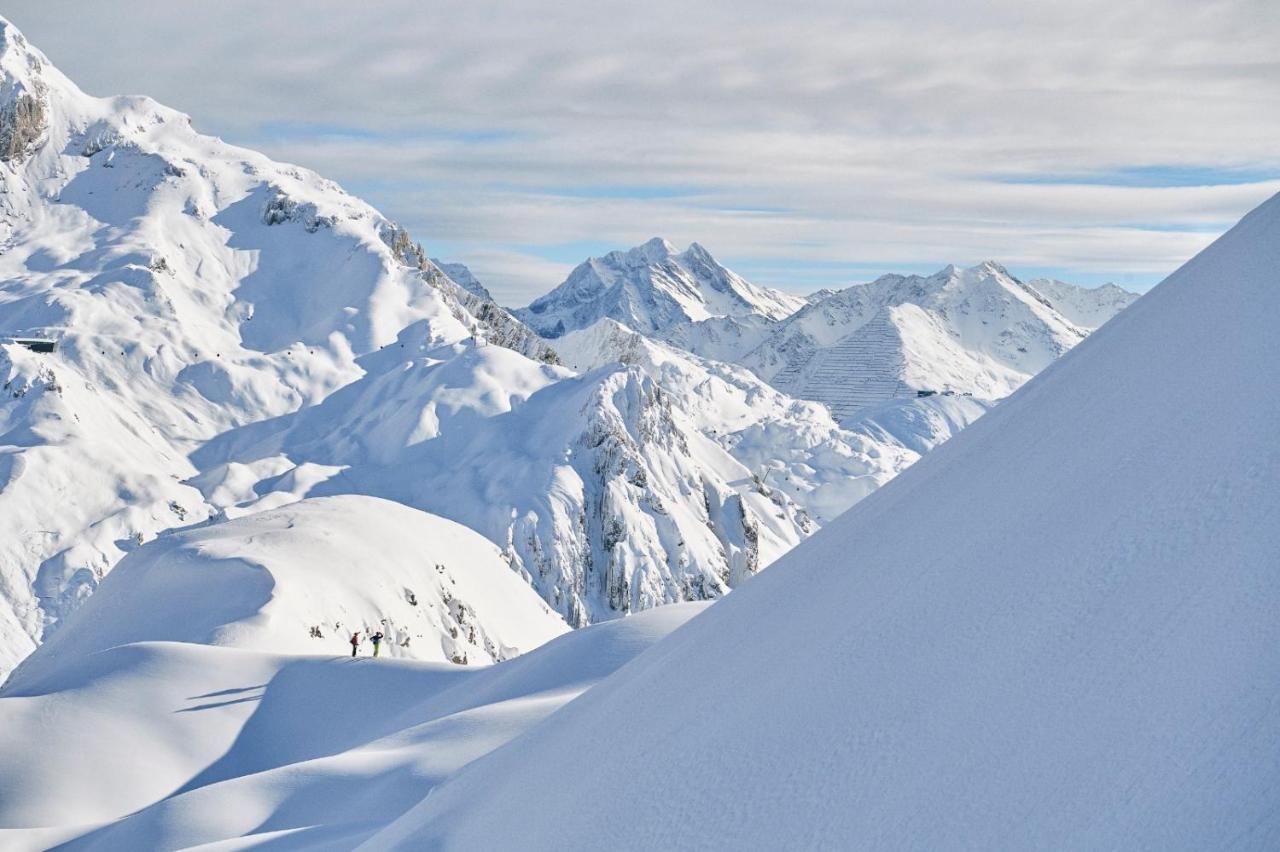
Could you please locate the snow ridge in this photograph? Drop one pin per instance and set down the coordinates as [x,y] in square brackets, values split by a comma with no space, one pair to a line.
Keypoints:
[653,289]
[976,332]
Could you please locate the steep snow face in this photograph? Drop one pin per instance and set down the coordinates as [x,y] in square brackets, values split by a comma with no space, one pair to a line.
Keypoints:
[1058,630]
[976,332]
[192,287]
[654,289]
[302,578]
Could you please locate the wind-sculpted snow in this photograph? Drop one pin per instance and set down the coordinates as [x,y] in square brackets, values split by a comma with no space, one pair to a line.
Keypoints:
[192,287]
[165,744]
[1058,630]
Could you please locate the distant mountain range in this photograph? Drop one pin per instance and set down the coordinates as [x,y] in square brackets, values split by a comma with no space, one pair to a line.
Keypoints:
[976,332]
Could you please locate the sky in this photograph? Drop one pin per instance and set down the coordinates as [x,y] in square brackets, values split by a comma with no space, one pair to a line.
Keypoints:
[807,145]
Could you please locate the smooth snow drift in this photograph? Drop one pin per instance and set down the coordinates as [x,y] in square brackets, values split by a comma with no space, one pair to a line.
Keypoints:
[167,745]
[300,579]
[1059,630]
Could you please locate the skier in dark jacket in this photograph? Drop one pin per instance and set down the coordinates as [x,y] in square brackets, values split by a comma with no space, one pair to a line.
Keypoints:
[355,642]
[377,642]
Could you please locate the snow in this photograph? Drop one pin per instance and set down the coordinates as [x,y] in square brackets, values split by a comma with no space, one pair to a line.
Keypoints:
[271,420]
[235,335]
[1086,308]
[193,287]
[1056,631]
[652,288]
[600,492]
[978,332]
[244,742]
[277,578]
[793,445]
[463,277]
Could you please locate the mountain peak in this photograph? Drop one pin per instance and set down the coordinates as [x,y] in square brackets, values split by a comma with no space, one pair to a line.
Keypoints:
[24,108]
[654,250]
[652,289]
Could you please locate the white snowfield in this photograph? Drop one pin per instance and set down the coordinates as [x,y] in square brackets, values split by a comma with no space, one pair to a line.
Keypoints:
[174,744]
[1058,630]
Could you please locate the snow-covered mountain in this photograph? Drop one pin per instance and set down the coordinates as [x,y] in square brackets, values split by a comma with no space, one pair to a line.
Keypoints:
[1057,631]
[234,335]
[1061,614]
[192,287]
[660,292]
[302,578]
[976,332]
[1085,307]
[604,494]
[466,279]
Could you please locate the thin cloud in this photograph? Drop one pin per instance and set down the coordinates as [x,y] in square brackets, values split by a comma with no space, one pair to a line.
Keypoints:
[836,133]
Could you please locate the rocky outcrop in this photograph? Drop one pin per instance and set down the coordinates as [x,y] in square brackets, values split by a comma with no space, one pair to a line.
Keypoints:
[23,121]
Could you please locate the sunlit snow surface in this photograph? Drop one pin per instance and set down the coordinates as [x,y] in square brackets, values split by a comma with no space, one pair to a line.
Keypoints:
[1058,630]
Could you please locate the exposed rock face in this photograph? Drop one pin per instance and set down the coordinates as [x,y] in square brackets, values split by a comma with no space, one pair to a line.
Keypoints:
[23,122]
[24,111]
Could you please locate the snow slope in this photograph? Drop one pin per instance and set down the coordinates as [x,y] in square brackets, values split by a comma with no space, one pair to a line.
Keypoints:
[656,290]
[301,578]
[787,444]
[604,494]
[1058,630]
[168,745]
[193,287]
[978,332]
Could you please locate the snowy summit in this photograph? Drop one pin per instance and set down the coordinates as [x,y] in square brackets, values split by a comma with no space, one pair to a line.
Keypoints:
[653,288]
